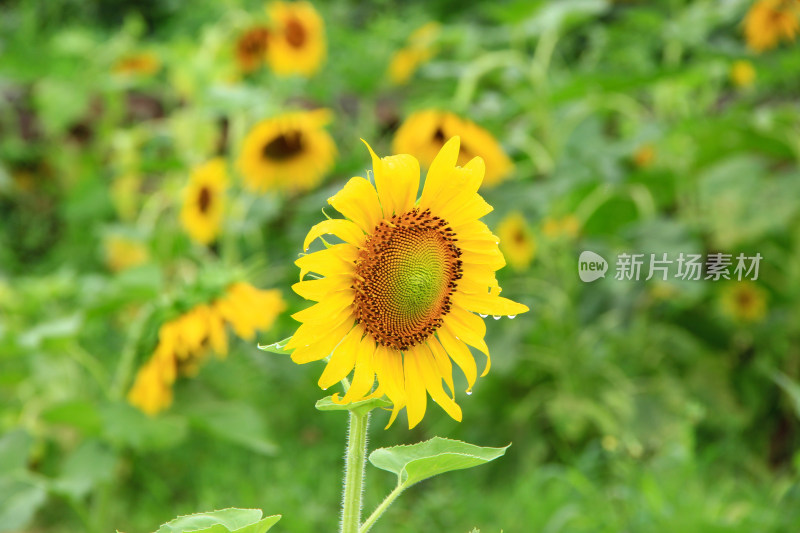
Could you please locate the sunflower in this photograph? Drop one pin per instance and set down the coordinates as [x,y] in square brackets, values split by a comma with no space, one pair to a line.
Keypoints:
[204,201]
[185,342]
[517,241]
[398,296]
[139,64]
[417,51]
[769,21]
[251,48]
[122,254]
[288,152]
[742,73]
[297,45]
[744,301]
[423,134]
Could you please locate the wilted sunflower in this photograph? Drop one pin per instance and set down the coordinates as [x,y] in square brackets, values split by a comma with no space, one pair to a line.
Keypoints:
[289,152]
[517,241]
[742,73]
[185,342]
[297,45]
[417,51]
[423,134]
[204,201]
[251,48]
[769,21]
[398,296]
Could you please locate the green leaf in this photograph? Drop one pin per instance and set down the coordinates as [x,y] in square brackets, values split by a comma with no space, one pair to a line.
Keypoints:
[19,501]
[790,387]
[237,422]
[223,521]
[14,449]
[276,347]
[125,425]
[416,462]
[327,404]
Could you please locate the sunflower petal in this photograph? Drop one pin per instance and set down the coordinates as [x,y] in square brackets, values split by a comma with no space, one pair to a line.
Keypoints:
[397,181]
[364,375]
[342,359]
[358,201]
[416,396]
[311,333]
[317,289]
[389,369]
[344,229]
[338,259]
[322,312]
[487,304]
[440,172]
[442,362]
[433,382]
[324,346]
[459,352]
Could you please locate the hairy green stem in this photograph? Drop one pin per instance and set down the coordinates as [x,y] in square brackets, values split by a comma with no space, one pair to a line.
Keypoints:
[367,525]
[355,457]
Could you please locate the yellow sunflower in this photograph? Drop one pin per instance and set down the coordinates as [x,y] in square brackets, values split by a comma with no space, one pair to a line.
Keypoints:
[185,342]
[297,45]
[423,134]
[744,301]
[517,241]
[251,48]
[769,21]
[398,296]
[122,254]
[417,51]
[289,152]
[742,73]
[139,64]
[204,201]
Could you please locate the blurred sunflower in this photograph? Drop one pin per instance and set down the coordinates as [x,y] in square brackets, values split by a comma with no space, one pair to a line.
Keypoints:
[423,134]
[769,21]
[742,73]
[417,51]
[568,226]
[185,342]
[644,156]
[139,64]
[251,48]
[398,296]
[517,241]
[744,301]
[297,44]
[288,152]
[204,201]
[122,253]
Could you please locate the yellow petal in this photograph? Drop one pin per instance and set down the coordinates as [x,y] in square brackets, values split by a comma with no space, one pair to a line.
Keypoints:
[433,381]
[487,304]
[397,181]
[468,327]
[494,259]
[389,369]
[318,289]
[442,362]
[338,259]
[322,312]
[344,229]
[364,375]
[440,172]
[343,359]
[311,333]
[324,346]
[462,186]
[358,201]
[415,390]
[459,352]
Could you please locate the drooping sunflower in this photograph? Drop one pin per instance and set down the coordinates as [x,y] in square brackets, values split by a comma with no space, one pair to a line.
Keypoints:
[185,342]
[292,152]
[297,44]
[204,201]
[517,241]
[424,133]
[399,294]
[769,21]
[251,48]
[742,73]
[418,50]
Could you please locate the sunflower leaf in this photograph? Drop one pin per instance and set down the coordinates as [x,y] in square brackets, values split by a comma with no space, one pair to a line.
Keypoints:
[224,521]
[416,462]
[327,404]
[276,347]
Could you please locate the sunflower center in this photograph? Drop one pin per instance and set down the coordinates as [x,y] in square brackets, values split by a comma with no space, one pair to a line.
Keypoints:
[255,41]
[405,275]
[284,146]
[204,199]
[295,33]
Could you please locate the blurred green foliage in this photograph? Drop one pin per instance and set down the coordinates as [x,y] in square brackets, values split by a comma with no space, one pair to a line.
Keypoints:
[631,406]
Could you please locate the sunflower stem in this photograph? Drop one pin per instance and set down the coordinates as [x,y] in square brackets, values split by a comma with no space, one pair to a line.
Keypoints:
[355,457]
[376,514]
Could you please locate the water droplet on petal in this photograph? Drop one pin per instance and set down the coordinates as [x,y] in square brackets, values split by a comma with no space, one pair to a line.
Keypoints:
[482,315]
[469,393]
[496,317]
[512,317]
